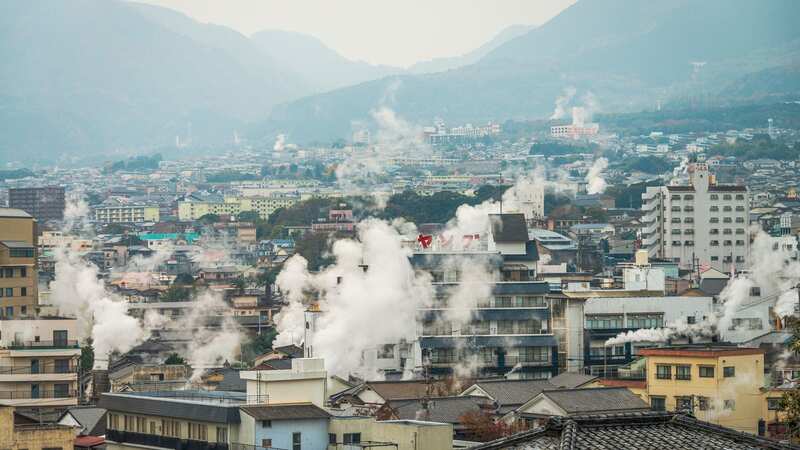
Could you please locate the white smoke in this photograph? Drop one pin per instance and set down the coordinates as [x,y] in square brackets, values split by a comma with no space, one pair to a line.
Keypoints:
[562,102]
[280,143]
[596,184]
[362,309]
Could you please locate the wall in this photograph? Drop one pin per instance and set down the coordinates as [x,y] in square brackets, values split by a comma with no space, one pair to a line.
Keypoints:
[313,433]
[408,434]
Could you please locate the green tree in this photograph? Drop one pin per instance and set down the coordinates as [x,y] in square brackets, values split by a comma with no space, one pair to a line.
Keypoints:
[209,219]
[313,247]
[184,279]
[790,402]
[175,359]
[87,355]
[177,293]
[240,283]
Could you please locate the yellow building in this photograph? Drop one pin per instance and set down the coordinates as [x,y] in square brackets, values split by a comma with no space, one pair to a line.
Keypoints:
[18,272]
[395,434]
[126,213]
[721,384]
[18,435]
[189,210]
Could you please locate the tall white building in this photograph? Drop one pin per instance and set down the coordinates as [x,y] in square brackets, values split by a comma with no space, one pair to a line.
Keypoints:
[702,223]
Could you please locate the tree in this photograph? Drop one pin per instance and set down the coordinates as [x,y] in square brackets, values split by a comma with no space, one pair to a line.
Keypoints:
[240,283]
[177,293]
[175,359]
[209,218]
[313,247]
[184,279]
[87,355]
[249,216]
[481,427]
[790,402]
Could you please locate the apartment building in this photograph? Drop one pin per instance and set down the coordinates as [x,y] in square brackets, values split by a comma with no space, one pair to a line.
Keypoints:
[126,213]
[193,208]
[19,432]
[719,383]
[39,362]
[43,203]
[699,224]
[18,269]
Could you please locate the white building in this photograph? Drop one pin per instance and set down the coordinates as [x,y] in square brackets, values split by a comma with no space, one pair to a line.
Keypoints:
[700,224]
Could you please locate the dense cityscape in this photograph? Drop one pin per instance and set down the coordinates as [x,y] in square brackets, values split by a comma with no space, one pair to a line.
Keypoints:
[587,278]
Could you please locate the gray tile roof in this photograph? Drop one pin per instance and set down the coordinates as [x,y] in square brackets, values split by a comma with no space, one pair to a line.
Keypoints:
[571,380]
[596,400]
[289,411]
[203,409]
[92,419]
[440,409]
[631,431]
[512,393]
[13,212]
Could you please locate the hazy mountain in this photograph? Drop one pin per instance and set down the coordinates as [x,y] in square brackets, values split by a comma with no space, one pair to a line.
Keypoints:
[443,64]
[85,76]
[322,67]
[628,53]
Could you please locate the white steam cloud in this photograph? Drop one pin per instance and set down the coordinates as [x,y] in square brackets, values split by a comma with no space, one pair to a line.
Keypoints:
[562,102]
[596,184]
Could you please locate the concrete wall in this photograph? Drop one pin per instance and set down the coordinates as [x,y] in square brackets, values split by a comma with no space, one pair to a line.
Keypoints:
[408,435]
[313,433]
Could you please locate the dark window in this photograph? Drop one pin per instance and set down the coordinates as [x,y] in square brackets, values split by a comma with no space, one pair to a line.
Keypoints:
[683,372]
[61,365]
[266,443]
[706,371]
[61,390]
[774,404]
[23,291]
[702,403]
[729,371]
[352,438]
[691,320]
[266,423]
[663,372]
[683,404]
[60,338]
[23,272]
[9,292]
[658,403]
[755,291]
[296,439]
[331,438]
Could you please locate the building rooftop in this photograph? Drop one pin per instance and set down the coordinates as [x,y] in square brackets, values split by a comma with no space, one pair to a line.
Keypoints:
[205,406]
[287,411]
[509,227]
[636,430]
[701,350]
[14,213]
[596,400]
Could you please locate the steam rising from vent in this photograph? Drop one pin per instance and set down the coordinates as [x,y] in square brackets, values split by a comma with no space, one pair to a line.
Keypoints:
[562,102]
[363,309]
[280,143]
[596,184]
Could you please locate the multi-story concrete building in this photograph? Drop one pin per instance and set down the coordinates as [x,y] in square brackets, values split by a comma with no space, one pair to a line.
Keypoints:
[39,362]
[126,213]
[18,271]
[700,224]
[721,384]
[193,209]
[43,203]
[18,432]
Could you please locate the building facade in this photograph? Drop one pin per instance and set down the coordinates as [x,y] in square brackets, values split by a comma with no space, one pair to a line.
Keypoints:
[18,268]
[43,203]
[126,213]
[191,209]
[39,362]
[700,224]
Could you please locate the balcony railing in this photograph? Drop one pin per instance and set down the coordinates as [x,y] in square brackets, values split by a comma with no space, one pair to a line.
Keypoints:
[154,440]
[28,395]
[28,370]
[43,345]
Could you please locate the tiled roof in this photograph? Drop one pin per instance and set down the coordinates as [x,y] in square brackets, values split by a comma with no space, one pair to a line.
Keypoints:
[13,212]
[440,409]
[596,400]
[571,380]
[289,411]
[629,431]
[513,392]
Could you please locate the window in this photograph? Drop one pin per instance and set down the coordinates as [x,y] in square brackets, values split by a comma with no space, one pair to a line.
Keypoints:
[774,404]
[152,427]
[676,243]
[23,272]
[729,405]
[128,426]
[9,292]
[683,372]
[531,301]
[688,220]
[113,421]
[386,351]
[676,197]
[505,327]
[171,428]
[267,443]
[222,435]
[714,208]
[141,425]
[727,208]
[60,338]
[706,371]
[715,258]
[683,404]
[714,243]
[663,372]
[752,323]
[740,220]
[603,321]
[23,292]
[727,197]
[61,390]
[688,197]
[20,252]
[658,403]
[296,440]
[504,302]
[352,438]
[645,320]
[688,243]
[198,431]
[740,208]
[702,403]
[714,197]
[689,231]
[726,220]
[331,438]
[739,196]
[266,424]
[676,231]
[534,354]
[727,231]
[676,220]
[740,231]
[729,371]
[714,220]
[676,208]
[755,291]
[727,243]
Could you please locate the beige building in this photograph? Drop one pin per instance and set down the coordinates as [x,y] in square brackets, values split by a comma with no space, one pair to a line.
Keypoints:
[720,384]
[192,209]
[404,434]
[39,362]
[18,273]
[18,434]
[126,213]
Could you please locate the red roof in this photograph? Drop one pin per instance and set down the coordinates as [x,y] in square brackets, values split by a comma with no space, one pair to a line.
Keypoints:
[89,441]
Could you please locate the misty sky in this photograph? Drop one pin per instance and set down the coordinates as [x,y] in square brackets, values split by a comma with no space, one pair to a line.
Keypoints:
[396,32]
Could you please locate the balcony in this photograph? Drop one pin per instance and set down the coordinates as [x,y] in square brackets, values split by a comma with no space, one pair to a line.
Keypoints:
[153,440]
[650,240]
[43,345]
[28,370]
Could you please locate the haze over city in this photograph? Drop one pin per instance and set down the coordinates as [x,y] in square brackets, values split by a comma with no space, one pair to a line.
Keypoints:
[317,225]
